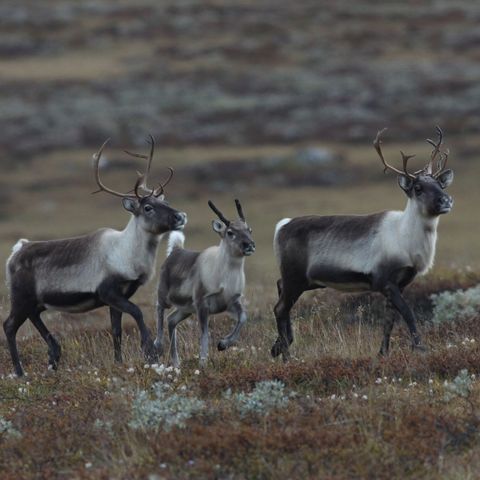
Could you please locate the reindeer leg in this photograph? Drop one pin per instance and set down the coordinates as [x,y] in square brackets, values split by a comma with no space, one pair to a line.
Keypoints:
[287,300]
[173,320]
[390,317]
[202,314]
[116,322]
[159,337]
[394,295]
[10,327]
[54,349]
[238,313]
[108,295]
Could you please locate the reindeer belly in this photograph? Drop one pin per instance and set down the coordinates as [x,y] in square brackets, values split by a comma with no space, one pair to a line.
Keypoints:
[340,279]
[71,302]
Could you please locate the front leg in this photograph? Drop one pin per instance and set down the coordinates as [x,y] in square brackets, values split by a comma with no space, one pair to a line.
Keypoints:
[116,321]
[238,313]
[108,293]
[394,295]
[202,314]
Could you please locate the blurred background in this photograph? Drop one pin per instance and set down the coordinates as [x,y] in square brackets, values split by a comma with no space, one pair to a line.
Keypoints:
[275,102]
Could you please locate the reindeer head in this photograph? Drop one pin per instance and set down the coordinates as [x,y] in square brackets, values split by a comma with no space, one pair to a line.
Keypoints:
[154,214]
[236,234]
[426,186]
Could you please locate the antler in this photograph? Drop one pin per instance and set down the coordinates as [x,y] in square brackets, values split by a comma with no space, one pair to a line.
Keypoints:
[377,142]
[240,210]
[143,178]
[219,213]
[442,162]
[141,183]
[101,186]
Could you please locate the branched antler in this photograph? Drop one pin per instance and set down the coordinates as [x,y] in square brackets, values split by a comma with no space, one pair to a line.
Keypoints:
[442,161]
[377,142]
[157,191]
[96,169]
[428,169]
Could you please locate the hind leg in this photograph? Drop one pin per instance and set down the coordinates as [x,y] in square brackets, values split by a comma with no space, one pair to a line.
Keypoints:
[287,300]
[54,349]
[116,322]
[11,325]
[173,320]
[390,317]
[159,337]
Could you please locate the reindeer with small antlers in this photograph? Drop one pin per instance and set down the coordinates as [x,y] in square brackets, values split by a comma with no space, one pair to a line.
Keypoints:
[205,283]
[104,268]
[381,252]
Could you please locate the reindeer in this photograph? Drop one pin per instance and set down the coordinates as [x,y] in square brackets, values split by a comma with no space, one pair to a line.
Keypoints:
[205,283]
[104,268]
[381,252]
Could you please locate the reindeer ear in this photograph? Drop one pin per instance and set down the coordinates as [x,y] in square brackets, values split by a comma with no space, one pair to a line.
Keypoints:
[445,179]
[218,227]
[405,183]
[161,197]
[130,204]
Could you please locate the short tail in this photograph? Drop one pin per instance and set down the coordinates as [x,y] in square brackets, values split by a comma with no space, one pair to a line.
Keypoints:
[16,248]
[278,227]
[176,239]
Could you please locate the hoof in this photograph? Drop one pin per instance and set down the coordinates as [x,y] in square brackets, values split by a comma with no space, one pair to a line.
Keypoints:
[158,346]
[420,348]
[221,345]
[150,352]
[278,348]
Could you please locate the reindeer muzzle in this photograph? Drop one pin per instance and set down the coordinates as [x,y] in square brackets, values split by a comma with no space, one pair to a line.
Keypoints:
[180,219]
[249,249]
[445,204]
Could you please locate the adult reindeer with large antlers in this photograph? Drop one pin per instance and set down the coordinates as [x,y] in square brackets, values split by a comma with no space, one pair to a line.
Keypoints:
[104,268]
[205,283]
[381,252]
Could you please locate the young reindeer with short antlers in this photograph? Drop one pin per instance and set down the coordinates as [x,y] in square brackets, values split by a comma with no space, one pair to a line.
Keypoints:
[83,273]
[205,283]
[381,252]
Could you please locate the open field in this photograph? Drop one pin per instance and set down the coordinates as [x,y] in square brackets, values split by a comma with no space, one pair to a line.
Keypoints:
[353,416]
[276,103]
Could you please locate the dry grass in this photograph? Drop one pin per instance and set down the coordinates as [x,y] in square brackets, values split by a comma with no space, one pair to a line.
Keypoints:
[343,423]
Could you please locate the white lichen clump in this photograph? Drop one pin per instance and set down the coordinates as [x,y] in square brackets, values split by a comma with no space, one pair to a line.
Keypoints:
[267,395]
[162,408]
[7,429]
[457,305]
[460,387]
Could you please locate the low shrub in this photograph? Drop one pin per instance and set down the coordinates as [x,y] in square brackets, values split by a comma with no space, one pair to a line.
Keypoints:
[456,305]
[163,409]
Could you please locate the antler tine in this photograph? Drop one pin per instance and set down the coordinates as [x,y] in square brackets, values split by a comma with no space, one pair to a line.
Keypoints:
[143,178]
[161,188]
[441,165]
[405,159]
[96,168]
[376,143]
[240,210]
[436,149]
[219,213]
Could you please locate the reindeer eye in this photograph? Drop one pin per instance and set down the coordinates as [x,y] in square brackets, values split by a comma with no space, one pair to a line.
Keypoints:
[148,208]
[418,188]
[230,234]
